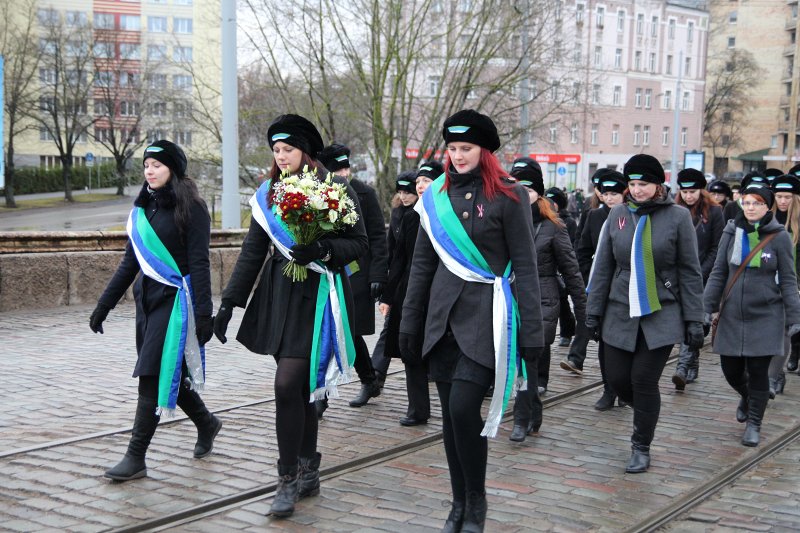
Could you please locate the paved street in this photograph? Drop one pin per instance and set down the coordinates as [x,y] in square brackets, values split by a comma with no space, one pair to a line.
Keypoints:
[101,215]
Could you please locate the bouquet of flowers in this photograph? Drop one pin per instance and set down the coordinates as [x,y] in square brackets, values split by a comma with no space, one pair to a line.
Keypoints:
[311,208]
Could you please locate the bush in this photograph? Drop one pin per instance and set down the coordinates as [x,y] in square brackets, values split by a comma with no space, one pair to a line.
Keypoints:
[29,180]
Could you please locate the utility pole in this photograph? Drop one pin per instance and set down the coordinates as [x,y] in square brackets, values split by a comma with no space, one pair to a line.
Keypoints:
[676,124]
[231,217]
[524,86]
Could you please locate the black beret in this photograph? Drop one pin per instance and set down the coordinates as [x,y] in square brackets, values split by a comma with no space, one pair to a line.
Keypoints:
[795,170]
[406,182]
[644,167]
[786,183]
[691,178]
[600,174]
[612,181]
[168,153]
[721,187]
[335,157]
[558,196]
[470,126]
[761,189]
[753,177]
[430,169]
[772,173]
[527,172]
[296,131]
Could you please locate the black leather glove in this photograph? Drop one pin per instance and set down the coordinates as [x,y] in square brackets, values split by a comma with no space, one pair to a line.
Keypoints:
[304,254]
[531,354]
[593,326]
[376,290]
[693,335]
[98,316]
[410,348]
[203,328]
[224,315]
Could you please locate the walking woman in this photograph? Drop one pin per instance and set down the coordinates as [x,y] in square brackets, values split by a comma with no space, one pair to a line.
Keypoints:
[281,319]
[554,257]
[753,287]
[787,212]
[168,236]
[477,231]
[708,226]
[644,295]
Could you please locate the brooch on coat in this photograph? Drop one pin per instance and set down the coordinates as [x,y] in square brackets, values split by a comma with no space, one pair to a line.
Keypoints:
[480,210]
[621,222]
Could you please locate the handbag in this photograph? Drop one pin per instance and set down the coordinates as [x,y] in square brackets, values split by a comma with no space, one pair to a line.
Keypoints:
[736,275]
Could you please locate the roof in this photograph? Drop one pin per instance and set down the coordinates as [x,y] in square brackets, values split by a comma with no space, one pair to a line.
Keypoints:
[755,155]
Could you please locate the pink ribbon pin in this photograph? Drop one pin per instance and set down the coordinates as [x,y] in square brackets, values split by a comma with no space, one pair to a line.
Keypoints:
[480,210]
[621,222]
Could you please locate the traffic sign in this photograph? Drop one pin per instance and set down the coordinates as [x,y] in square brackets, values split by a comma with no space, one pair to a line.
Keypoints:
[89,159]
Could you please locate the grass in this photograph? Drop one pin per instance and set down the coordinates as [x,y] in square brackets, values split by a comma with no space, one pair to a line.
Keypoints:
[56,202]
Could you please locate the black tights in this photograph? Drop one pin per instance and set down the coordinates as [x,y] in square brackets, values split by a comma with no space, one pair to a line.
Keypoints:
[750,371]
[295,417]
[462,424]
[363,363]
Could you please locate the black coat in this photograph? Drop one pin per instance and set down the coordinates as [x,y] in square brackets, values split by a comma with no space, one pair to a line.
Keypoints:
[709,232]
[587,242]
[571,225]
[154,300]
[501,230]
[730,210]
[279,318]
[372,265]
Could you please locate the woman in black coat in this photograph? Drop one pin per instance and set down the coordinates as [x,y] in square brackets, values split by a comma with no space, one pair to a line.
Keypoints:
[448,313]
[168,212]
[554,257]
[565,316]
[279,318]
[708,225]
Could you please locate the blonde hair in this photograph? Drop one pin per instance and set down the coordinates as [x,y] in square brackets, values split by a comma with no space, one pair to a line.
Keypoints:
[792,217]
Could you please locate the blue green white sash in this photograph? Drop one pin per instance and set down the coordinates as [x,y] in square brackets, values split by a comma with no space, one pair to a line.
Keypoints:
[332,349]
[461,257]
[180,342]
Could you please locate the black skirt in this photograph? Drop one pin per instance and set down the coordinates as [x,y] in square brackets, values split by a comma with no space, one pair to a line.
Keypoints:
[448,363]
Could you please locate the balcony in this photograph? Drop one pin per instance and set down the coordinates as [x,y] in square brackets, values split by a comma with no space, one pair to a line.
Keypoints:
[789,50]
[785,99]
[791,24]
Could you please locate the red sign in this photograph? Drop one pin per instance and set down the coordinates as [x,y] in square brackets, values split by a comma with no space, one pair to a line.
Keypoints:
[556,158]
[413,153]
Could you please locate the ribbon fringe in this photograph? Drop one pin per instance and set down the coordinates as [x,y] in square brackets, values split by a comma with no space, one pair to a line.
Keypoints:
[165,412]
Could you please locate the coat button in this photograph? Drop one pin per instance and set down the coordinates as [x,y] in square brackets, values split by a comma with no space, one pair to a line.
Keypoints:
[468,196]
[465,215]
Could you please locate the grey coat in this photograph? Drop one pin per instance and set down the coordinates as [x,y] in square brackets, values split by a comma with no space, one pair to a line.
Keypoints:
[678,278]
[763,302]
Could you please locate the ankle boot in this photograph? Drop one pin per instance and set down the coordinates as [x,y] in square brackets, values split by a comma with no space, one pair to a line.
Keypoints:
[694,367]
[207,424]
[780,382]
[606,401]
[309,476]
[741,409]
[321,406]
[368,390]
[522,416]
[475,513]
[679,377]
[757,404]
[286,494]
[455,519]
[794,356]
[644,426]
[640,459]
[132,465]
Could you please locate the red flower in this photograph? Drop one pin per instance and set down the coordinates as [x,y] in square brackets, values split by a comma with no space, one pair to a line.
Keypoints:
[307,217]
[333,204]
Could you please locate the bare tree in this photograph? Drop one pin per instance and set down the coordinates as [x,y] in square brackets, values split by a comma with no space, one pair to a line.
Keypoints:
[19,46]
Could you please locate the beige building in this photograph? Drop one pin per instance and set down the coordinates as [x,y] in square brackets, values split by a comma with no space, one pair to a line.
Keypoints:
[169,47]
[768,29]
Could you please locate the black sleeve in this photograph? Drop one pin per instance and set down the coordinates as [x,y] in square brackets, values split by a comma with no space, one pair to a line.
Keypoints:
[198,237]
[572,229]
[717,225]
[255,248]
[375,226]
[423,267]
[568,268]
[122,278]
[584,250]
[403,253]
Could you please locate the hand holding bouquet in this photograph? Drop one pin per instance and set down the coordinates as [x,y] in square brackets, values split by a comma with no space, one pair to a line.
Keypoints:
[311,208]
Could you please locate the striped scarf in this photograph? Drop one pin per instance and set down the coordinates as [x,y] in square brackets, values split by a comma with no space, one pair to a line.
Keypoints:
[642,290]
[180,341]
[332,348]
[743,242]
[459,254]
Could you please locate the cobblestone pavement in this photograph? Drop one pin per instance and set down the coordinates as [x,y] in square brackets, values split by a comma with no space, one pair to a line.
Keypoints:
[61,383]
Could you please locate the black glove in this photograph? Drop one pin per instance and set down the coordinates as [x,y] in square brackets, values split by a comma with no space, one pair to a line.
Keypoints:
[531,354]
[693,335]
[98,316]
[410,348]
[203,328]
[224,315]
[593,327]
[304,254]
[376,289]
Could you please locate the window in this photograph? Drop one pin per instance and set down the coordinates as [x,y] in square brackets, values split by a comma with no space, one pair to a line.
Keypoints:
[646,135]
[103,134]
[651,66]
[685,101]
[579,11]
[158,81]
[44,134]
[77,108]
[433,85]
[773,141]
[637,131]
[129,135]
[182,109]
[129,79]
[157,24]
[130,22]
[553,133]
[671,29]
[576,90]
[640,24]
[156,52]
[103,78]
[48,46]
[130,51]
[83,137]
[637,97]
[557,9]
[595,127]
[436,7]
[157,2]
[181,25]
[76,78]
[596,93]
[183,137]
[621,20]
[648,97]
[554,89]
[687,68]
[182,82]
[733,17]
[665,136]
[103,50]
[573,134]
[667,99]
[76,49]
[47,76]
[102,108]
[182,53]
[598,56]
[158,109]
[690,32]
[615,134]
[726,117]
[47,16]
[637,60]
[600,17]
[684,136]
[155,135]
[183,2]
[669,64]
[617,100]
[129,109]
[726,140]
[46,103]
[103,21]
[731,42]
[577,56]
[464,6]
[618,58]
[654,27]
[76,19]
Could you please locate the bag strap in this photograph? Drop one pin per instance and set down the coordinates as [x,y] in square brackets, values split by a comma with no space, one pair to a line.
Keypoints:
[741,268]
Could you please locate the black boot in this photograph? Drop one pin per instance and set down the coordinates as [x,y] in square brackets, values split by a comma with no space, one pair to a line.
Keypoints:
[794,356]
[640,459]
[644,427]
[780,382]
[522,415]
[694,367]
[368,390]
[207,424]
[455,519]
[606,401]
[132,465]
[543,366]
[380,378]
[757,404]
[309,476]
[321,406]
[475,513]
[286,494]
[741,409]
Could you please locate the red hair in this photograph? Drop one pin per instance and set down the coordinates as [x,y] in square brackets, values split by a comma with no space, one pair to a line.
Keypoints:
[492,173]
[546,210]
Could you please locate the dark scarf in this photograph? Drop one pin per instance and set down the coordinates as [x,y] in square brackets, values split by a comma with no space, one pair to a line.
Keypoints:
[164,197]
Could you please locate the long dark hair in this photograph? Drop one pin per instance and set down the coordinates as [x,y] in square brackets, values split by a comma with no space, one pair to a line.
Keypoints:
[186,194]
[312,164]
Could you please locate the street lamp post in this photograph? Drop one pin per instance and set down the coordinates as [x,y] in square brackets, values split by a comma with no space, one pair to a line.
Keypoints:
[230,111]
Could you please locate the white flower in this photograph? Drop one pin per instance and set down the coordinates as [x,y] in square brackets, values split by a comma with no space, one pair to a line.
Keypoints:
[333,215]
[333,194]
[308,183]
[350,218]
[317,202]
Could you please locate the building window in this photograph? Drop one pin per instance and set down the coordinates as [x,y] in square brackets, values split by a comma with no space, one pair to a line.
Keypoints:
[637,131]
[595,127]
[687,68]
[652,63]
[182,53]
[102,108]
[102,134]
[158,109]
[637,60]
[182,82]
[182,109]
[103,78]
[103,21]
[156,52]
[731,42]
[667,99]
[654,27]
[600,17]
[76,19]
[665,136]
[726,140]
[130,22]
[47,16]
[615,135]
[433,85]
[47,76]
[733,17]
[183,137]
[579,12]
[181,25]
[49,161]
[690,32]
[617,100]
[577,54]
[129,51]
[621,20]
[557,9]
[646,136]
[648,97]
[685,101]
[773,141]
[464,6]
[554,89]
[46,103]
[553,133]
[669,65]
[436,6]
[129,79]
[103,50]
[183,2]
[671,29]
[573,134]
[598,56]
[640,24]
[618,58]
[576,90]
[596,93]
[158,81]
[637,97]
[155,135]
[157,24]
[684,136]
[129,109]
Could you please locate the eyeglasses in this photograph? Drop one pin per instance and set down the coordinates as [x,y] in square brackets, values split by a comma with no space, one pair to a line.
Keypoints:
[753,204]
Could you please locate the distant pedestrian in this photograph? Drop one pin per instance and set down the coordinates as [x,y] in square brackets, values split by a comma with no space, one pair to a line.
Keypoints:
[565,318]
[477,230]
[167,255]
[644,295]
[720,192]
